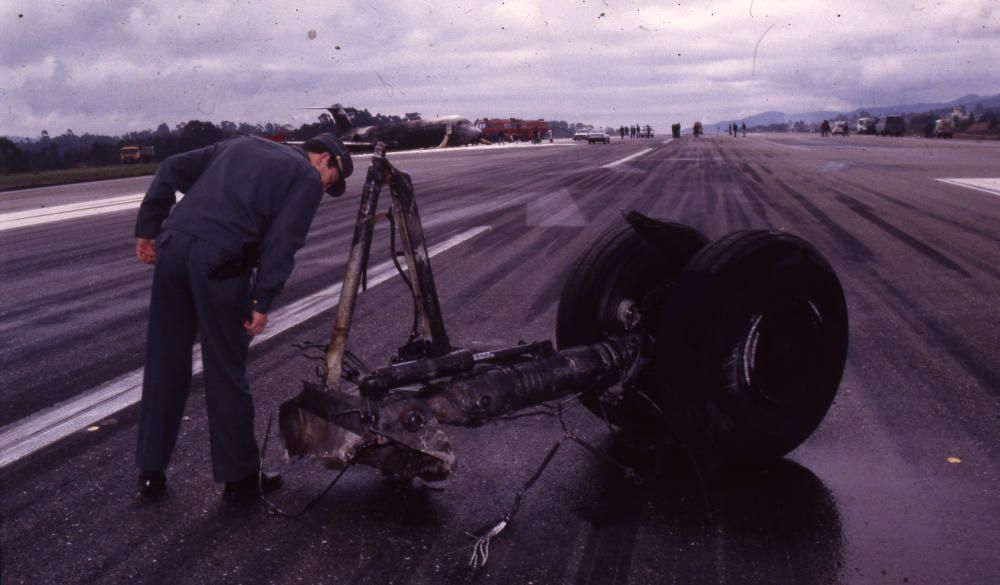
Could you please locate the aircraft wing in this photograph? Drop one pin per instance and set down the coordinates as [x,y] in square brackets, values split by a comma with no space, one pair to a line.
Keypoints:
[362,146]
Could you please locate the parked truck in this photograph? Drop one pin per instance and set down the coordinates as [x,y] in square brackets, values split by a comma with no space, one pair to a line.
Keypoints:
[136,154]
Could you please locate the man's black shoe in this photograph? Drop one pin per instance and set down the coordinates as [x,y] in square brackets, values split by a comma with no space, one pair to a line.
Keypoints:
[152,483]
[246,488]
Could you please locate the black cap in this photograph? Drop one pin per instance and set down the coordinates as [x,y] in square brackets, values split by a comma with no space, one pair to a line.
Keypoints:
[340,156]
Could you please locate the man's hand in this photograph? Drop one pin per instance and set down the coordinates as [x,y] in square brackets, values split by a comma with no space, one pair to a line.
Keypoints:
[145,250]
[256,324]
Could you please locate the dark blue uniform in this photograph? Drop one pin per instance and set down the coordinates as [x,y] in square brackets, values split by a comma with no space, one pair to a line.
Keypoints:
[246,201]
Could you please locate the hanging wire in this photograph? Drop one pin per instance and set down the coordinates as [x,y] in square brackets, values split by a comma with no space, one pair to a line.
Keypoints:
[481,546]
[483,537]
[352,367]
[689,453]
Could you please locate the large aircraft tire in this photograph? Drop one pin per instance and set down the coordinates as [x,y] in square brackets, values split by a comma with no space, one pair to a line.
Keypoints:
[751,345]
[620,270]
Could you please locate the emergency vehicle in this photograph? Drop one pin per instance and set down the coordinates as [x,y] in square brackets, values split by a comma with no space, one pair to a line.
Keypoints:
[513,129]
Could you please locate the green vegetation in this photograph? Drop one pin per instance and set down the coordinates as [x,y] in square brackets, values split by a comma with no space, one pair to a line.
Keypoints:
[71,158]
[66,176]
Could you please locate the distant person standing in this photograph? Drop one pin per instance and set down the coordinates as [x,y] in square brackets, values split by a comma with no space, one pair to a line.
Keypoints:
[824,128]
[621,130]
[743,126]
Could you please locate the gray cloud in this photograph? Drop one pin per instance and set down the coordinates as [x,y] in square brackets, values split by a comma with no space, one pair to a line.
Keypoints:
[111,67]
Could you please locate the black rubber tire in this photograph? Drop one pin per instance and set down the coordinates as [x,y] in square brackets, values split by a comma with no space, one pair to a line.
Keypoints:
[621,264]
[751,346]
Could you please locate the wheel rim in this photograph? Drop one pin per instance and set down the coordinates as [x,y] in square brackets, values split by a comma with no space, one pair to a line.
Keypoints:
[780,351]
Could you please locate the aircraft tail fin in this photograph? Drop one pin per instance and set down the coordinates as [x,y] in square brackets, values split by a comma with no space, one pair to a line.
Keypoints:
[344,124]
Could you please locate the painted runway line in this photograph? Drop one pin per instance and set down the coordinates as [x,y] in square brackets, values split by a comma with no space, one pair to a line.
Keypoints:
[614,164]
[991,186]
[43,215]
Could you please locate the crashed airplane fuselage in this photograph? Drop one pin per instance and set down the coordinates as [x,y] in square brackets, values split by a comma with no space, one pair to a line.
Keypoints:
[409,134]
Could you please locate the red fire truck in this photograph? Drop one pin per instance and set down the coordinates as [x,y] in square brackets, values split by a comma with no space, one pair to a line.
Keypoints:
[513,129]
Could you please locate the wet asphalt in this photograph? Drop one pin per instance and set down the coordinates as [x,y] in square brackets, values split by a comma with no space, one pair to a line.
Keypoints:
[900,483]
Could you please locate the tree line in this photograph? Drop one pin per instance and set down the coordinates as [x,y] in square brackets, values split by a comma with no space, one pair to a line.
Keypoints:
[70,150]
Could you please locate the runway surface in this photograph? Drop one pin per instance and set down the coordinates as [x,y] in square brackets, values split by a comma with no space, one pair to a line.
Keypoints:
[900,484]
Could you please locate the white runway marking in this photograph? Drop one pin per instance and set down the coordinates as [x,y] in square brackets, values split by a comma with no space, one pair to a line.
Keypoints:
[667,141]
[43,215]
[39,430]
[17,219]
[991,186]
[613,164]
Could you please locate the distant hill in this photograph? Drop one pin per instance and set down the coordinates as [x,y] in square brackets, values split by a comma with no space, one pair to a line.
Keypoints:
[969,101]
[765,118]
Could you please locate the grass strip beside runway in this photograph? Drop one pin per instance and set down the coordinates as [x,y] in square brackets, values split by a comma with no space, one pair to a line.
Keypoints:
[67,176]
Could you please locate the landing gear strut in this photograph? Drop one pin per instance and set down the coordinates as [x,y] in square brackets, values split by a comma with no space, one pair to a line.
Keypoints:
[735,348]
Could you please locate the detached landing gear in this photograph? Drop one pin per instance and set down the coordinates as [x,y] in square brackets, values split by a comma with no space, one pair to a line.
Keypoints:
[734,349]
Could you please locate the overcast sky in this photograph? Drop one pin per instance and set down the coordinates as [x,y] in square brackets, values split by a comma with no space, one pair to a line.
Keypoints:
[111,66]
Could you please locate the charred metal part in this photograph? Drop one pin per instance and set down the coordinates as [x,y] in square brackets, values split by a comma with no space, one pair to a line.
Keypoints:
[382,379]
[428,369]
[494,390]
[411,234]
[434,341]
[356,263]
[340,430]
[400,434]
[335,424]
[512,353]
